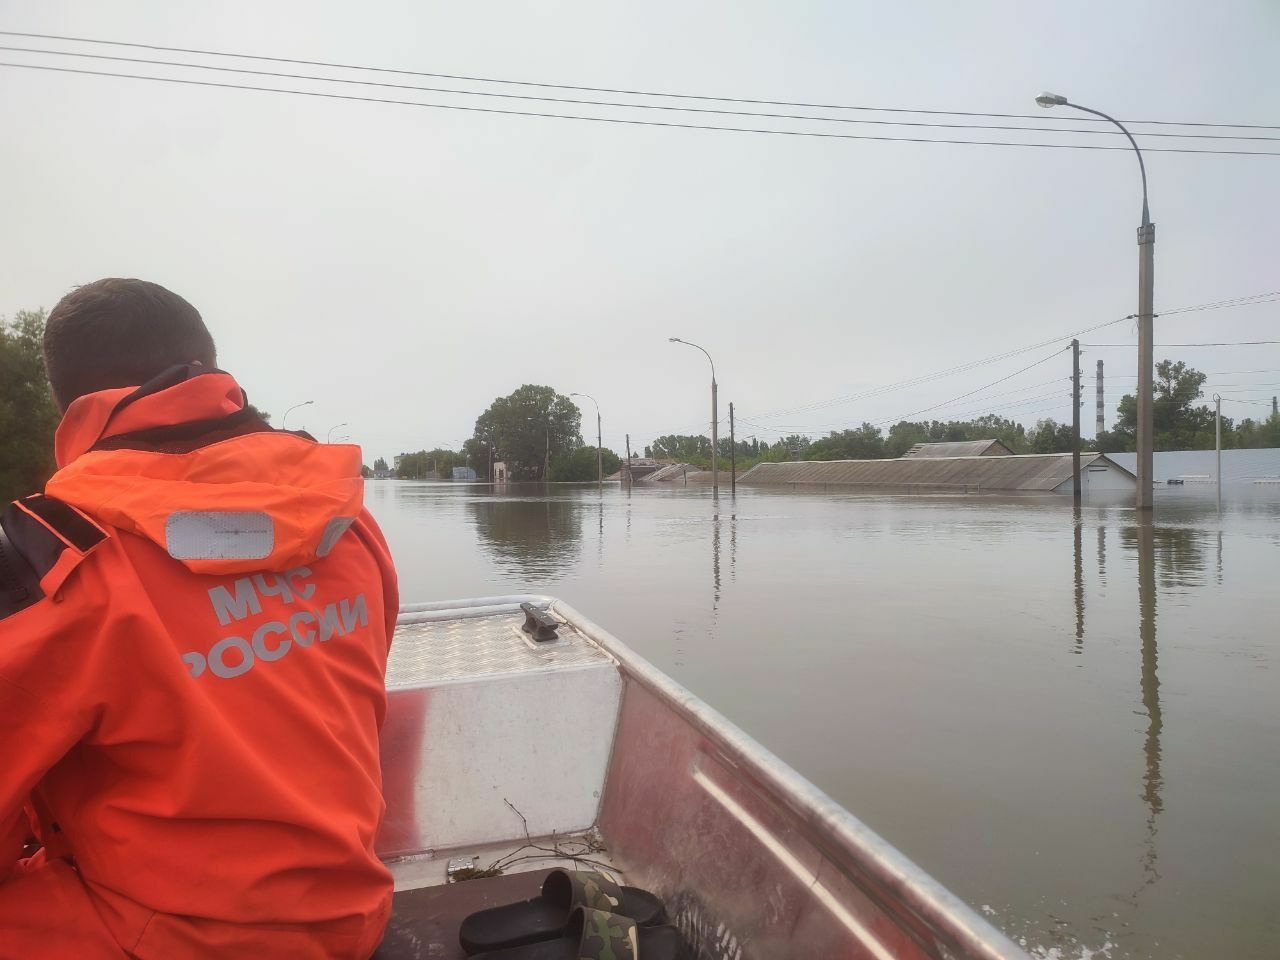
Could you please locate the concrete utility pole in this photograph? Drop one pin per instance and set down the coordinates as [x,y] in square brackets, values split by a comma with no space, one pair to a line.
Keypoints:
[1102,417]
[1146,311]
[733,455]
[599,446]
[715,416]
[1075,420]
[628,460]
[1275,409]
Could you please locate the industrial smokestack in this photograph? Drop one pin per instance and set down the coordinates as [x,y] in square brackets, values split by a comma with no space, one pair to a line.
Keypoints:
[1102,421]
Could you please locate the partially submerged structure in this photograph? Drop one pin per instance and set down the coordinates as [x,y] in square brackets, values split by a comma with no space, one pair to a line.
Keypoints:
[959,448]
[1032,473]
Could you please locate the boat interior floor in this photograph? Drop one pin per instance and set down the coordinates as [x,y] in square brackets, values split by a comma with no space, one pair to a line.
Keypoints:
[424,922]
[427,910]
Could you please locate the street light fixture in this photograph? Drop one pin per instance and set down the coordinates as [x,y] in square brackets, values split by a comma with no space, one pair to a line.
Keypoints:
[715,416]
[599,445]
[285,418]
[329,437]
[1146,309]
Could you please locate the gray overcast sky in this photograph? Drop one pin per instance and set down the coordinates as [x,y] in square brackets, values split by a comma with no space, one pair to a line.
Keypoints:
[403,266]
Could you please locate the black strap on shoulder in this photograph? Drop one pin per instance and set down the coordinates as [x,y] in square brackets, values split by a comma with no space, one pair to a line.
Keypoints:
[66,520]
[19,584]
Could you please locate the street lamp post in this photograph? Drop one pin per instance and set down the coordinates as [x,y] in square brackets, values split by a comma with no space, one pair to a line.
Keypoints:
[1146,309]
[715,416]
[546,460]
[285,419]
[329,436]
[599,445]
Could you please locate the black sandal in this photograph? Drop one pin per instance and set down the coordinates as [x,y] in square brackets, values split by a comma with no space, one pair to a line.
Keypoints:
[598,935]
[545,916]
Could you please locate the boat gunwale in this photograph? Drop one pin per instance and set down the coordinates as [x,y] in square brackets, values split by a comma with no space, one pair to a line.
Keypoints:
[854,848]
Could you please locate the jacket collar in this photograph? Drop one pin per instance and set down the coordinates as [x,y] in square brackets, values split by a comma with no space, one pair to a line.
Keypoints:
[180,394]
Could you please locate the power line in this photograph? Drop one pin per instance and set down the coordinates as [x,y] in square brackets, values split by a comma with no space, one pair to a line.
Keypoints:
[962,368]
[986,402]
[1232,343]
[626,122]
[946,403]
[926,378]
[610,90]
[625,105]
[1214,373]
[1257,298]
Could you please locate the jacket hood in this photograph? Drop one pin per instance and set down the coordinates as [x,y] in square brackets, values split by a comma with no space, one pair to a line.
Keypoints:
[185,463]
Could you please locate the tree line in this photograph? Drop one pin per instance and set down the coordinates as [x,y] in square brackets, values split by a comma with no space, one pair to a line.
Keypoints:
[1179,423]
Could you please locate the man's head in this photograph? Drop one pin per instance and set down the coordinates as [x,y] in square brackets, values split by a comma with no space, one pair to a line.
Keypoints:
[120,333]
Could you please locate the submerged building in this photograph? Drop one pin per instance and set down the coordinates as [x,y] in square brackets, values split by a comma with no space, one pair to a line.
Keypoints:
[959,448]
[1031,474]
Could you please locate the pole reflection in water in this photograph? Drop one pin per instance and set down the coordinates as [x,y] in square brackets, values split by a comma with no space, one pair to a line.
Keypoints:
[733,545]
[1102,551]
[1152,780]
[1079,571]
[715,556]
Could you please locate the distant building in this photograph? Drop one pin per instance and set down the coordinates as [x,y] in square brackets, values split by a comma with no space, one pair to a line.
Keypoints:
[499,472]
[959,448]
[1029,473]
[463,473]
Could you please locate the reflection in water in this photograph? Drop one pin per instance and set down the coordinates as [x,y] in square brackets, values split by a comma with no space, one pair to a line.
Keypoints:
[1079,565]
[1152,781]
[529,538]
[715,556]
[1102,552]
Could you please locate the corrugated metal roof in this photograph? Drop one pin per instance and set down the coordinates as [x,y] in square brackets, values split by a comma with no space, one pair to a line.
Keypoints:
[959,448]
[1027,473]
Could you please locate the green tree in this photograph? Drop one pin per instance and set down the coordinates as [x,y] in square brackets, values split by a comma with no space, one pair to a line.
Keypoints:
[682,447]
[1108,441]
[521,428]
[266,417]
[865,443]
[365,471]
[580,464]
[427,464]
[28,415]
[1176,423]
[1049,436]
[380,465]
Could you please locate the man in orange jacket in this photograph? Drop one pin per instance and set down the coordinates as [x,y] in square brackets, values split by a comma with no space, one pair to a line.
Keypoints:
[194,625]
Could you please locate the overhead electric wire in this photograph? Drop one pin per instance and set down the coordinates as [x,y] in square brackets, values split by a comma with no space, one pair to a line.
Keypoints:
[990,400]
[611,90]
[625,105]
[623,121]
[1231,343]
[1272,296]
[962,396]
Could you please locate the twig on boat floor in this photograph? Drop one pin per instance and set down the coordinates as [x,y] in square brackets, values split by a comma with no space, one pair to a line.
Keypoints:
[523,820]
[575,849]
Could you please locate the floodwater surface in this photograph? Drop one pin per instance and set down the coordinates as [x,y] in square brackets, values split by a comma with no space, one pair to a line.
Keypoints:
[1071,719]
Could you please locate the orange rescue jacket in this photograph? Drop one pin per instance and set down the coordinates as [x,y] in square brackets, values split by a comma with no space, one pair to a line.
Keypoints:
[194,626]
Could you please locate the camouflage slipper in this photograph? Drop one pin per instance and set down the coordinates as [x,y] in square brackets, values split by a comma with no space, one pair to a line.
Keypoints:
[544,917]
[598,935]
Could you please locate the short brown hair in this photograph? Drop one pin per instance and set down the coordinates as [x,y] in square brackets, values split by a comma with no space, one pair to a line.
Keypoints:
[120,333]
